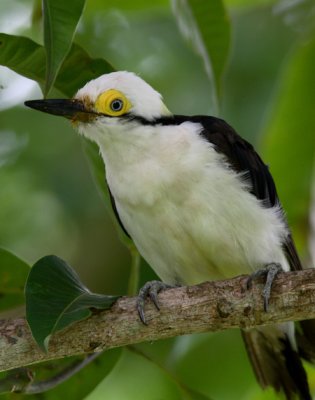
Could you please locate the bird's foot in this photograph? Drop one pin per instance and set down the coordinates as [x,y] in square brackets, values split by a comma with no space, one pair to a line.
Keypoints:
[270,271]
[151,289]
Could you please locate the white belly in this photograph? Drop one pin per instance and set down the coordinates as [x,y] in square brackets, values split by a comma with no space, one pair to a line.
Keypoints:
[198,235]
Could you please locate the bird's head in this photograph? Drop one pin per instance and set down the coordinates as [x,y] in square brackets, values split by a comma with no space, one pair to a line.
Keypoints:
[111,100]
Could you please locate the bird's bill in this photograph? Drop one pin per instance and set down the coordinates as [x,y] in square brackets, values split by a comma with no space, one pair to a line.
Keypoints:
[69,108]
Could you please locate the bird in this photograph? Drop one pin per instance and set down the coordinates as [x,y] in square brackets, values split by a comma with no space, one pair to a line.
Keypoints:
[198,202]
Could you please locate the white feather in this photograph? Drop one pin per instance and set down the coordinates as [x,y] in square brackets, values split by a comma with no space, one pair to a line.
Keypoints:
[190,215]
[146,101]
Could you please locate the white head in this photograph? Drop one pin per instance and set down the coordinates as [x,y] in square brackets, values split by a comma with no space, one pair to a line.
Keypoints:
[108,107]
[116,94]
[119,93]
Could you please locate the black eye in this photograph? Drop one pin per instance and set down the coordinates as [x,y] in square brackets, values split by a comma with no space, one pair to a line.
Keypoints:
[116,105]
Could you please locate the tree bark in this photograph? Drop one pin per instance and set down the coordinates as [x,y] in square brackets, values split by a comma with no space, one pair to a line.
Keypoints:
[210,306]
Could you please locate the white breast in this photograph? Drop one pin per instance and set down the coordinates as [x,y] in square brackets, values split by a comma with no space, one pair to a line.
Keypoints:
[188,213]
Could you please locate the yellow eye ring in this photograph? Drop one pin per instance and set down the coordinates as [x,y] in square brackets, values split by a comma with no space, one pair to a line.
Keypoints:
[112,103]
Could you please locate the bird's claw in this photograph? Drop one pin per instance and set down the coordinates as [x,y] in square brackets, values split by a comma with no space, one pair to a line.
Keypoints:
[270,271]
[151,289]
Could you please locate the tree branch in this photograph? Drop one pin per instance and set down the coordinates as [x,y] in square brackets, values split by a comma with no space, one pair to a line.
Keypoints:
[210,306]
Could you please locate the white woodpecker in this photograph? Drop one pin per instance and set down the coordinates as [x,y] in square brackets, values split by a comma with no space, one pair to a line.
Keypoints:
[198,202]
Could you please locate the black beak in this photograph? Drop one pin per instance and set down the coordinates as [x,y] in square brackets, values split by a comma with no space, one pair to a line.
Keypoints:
[69,108]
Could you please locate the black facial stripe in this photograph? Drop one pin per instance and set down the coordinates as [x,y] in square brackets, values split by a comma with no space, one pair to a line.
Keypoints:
[169,120]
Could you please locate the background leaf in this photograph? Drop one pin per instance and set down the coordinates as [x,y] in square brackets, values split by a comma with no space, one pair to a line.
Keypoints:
[27,58]
[207,26]
[289,138]
[55,298]
[142,379]
[60,22]
[13,274]
[97,169]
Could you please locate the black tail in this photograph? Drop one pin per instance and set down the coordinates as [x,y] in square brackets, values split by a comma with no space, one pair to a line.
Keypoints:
[276,362]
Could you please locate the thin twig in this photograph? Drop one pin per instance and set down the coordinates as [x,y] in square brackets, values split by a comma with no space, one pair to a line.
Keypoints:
[21,380]
[62,376]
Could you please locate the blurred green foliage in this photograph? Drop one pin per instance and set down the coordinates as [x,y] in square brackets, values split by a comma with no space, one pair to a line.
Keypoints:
[49,203]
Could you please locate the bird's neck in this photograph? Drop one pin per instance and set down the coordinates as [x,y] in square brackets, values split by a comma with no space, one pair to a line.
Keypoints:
[143,162]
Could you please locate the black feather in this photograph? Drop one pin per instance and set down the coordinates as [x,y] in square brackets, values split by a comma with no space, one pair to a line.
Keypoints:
[113,204]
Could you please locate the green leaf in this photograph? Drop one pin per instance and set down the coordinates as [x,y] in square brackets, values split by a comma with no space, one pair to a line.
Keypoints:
[55,298]
[13,275]
[136,377]
[196,395]
[79,68]
[289,140]
[23,56]
[60,21]
[207,26]
[27,58]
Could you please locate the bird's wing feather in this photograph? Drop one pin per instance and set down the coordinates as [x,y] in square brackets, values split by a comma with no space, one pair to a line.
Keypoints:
[243,158]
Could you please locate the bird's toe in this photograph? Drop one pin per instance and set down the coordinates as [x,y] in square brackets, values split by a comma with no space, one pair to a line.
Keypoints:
[270,271]
[151,289]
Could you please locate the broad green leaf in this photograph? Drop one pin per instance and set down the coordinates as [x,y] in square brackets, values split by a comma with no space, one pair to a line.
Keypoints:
[142,379]
[27,58]
[207,26]
[60,21]
[79,68]
[13,275]
[23,56]
[289,140]
[55,298]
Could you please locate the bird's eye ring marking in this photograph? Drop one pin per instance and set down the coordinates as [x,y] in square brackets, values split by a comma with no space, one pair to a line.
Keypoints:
[116,105]
[113,103]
